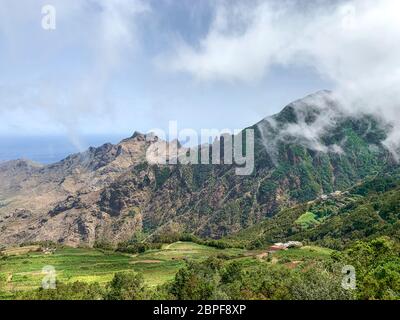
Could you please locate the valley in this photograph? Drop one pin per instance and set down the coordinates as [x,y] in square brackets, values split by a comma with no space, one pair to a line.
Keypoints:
[21,268]
[112,192]
[114,226]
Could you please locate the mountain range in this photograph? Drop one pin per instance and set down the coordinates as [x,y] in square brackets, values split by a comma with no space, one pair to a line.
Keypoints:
[312,148]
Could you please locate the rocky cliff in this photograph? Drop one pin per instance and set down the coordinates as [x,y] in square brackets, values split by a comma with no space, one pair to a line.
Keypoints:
[311,147]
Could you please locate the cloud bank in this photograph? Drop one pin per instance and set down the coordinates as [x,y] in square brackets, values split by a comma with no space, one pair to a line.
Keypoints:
[73,75]
[352,43]
[347,41]
[94,39]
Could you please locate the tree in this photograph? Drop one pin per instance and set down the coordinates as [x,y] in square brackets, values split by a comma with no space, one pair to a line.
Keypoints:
[232,273]
[377,265]
[126,286]
[197,281]
[3,281]
[71,291]
[320,284]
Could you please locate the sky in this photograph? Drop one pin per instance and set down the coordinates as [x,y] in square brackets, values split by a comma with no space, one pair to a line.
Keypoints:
[119,66]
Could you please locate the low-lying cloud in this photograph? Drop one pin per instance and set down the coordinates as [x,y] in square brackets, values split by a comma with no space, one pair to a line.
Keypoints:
[352,43]
[94,39]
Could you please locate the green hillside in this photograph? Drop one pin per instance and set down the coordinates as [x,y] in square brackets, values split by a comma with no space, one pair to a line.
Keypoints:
[293,164]
[366,211]
[185,270]
[23,271]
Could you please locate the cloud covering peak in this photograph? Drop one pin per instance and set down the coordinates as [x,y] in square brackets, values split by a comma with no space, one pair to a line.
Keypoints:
[224,63]
[351,43]
[344,40]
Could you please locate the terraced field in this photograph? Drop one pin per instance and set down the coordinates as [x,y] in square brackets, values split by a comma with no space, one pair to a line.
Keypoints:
[22,270]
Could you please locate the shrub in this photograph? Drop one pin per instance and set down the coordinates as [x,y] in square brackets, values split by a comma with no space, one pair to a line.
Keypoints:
[197,281]
[134,248]
[71,291]
[126,286]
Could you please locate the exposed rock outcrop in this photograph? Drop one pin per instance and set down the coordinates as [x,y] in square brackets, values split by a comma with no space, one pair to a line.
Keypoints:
[309,149]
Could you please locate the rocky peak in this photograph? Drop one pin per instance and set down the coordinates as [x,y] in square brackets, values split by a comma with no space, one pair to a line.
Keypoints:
[141,137]
[137,136]
[20,164]
[308,109]
[300,153]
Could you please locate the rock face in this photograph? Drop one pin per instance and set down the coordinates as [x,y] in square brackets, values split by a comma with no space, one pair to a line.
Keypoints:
[62,198]
[109,193]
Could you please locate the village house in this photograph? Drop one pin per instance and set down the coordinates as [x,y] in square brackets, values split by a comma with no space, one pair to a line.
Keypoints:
[284,246]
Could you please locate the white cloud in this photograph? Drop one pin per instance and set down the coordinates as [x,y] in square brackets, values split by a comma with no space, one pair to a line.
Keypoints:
[346,42]
[242,43]
[316,115]
[70,73]
[93,38]
[352,43]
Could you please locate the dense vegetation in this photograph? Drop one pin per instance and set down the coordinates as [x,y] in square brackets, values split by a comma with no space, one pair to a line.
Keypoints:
[173,265]
[366,211]
[315,277]
[359,227]
[211,201]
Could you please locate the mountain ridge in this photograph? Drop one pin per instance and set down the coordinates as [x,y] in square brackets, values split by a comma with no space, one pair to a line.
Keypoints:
[112,192]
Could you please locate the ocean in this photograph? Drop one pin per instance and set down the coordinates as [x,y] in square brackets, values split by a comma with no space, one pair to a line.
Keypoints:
[48,149]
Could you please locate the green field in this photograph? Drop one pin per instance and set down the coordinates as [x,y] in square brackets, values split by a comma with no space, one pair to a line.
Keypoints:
[23,271]
[307,220]
[21,268]
[305,253]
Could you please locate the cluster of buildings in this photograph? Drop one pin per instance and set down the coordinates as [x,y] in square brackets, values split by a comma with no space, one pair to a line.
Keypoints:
[284,246]
[333,195]
[48,251]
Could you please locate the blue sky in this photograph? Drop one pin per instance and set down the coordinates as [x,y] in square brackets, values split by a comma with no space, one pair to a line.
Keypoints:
[116,66]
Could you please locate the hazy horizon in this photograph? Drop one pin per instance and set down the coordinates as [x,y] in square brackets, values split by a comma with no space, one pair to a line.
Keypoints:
[118,66]
[47,149]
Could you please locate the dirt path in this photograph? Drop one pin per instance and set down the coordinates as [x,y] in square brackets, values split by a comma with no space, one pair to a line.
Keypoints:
[145,261]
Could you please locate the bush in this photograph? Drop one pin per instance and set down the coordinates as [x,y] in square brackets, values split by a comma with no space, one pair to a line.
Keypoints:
[3,281]
[135,248]
[377,268]
[71,291]
[233,272]
[198,281]
[126,286]
[320,284]
[103,245]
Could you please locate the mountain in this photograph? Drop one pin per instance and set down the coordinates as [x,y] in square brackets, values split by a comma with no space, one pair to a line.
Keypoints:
[312,147]
[366,211]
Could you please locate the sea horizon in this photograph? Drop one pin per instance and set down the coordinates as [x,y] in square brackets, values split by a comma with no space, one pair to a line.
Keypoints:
[48,149]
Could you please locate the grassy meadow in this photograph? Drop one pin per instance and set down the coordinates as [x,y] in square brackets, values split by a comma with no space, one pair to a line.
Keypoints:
[22,267]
